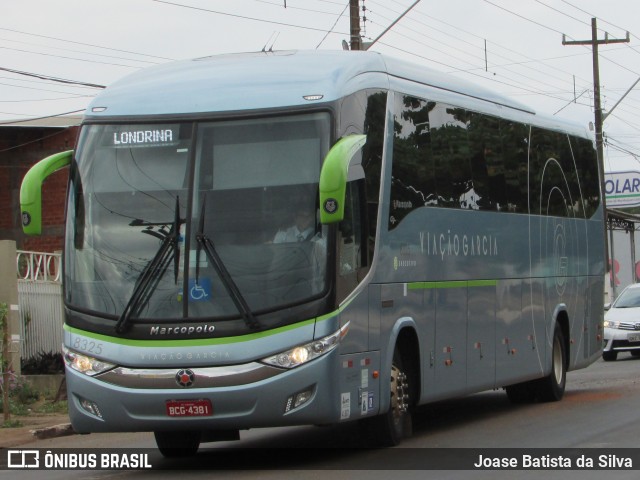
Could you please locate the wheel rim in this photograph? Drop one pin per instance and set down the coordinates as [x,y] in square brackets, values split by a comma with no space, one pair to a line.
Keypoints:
[399,394]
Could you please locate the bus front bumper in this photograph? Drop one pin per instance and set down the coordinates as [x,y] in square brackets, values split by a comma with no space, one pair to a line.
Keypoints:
[217,398]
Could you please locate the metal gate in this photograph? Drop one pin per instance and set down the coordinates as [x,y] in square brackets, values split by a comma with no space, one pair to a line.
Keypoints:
[40,299]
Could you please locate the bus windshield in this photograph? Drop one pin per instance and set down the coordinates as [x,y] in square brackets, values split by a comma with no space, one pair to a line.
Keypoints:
[246,190]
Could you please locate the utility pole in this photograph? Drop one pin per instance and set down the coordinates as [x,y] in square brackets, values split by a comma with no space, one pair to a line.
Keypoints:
[367,45]
[594,42]
[354,16]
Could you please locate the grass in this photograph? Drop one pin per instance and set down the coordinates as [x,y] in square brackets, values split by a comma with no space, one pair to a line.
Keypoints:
[25,401]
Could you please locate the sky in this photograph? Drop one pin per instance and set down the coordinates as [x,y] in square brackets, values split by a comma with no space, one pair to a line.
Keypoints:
[513,47]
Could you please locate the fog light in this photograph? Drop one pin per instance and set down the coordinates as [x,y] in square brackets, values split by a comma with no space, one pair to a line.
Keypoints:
[302,397]
[90,407]
[298,399]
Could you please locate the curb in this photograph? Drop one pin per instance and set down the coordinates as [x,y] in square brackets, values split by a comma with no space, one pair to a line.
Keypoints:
[54,431]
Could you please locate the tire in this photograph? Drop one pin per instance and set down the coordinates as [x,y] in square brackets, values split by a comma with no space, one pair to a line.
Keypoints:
[551,388]
[177,444]
[609,356]
[390,428]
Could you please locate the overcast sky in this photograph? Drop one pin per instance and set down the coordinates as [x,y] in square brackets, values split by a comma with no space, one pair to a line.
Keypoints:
[98,42]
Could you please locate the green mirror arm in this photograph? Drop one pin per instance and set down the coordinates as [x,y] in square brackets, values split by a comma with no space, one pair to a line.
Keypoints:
[334,176]
[31,190]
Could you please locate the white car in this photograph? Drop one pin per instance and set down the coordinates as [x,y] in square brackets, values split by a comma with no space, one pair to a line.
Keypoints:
[622,324]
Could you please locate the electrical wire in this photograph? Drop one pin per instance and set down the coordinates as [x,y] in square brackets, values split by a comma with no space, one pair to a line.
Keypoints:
[333,26]
[552,70]
[84,44]
[52,79]
[37,140]
[40,118]
[244,17]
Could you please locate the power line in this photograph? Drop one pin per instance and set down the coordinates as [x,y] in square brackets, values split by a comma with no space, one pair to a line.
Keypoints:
[333,26]
[78,95]
[553,69]
[244,17]
[463,70]
[523,17]
[41,118]
[52,79]
[45,137]
[84,44]
[592,16]
[73,51]
[562,13]
[279,5]
[69,58]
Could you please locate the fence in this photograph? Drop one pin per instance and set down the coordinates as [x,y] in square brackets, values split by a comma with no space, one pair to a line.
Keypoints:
[40,299]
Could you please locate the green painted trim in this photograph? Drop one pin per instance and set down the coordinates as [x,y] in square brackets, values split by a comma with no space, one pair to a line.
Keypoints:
[195,342]
[483,283]
[451,284]
[631,195]
[31,190]
[334,176]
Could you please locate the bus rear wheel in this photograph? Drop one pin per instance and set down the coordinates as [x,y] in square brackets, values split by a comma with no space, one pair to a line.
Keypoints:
[177,444]
[551,388]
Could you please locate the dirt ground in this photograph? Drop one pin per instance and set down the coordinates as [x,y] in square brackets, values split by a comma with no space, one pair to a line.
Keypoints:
[15,436]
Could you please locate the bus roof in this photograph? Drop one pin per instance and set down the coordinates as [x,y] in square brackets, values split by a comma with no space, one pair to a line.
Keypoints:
[284,79]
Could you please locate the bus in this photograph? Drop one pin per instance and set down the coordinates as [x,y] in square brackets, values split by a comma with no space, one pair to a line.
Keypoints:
[310,238]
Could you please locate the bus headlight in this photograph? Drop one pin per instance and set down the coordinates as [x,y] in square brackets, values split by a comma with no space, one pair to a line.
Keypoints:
[84,364]
[307,352]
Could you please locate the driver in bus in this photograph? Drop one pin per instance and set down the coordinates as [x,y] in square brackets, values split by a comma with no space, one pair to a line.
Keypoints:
[303,229]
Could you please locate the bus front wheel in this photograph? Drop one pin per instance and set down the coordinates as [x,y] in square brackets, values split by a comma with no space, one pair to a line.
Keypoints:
[177,444]
[390,428]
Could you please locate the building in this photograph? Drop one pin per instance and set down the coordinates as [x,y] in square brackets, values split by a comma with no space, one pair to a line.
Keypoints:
[22,144]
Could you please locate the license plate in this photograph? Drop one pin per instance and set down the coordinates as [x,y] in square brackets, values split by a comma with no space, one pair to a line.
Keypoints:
[633,337]
[189,408]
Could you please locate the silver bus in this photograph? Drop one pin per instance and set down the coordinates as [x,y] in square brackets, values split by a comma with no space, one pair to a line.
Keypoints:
[291,238]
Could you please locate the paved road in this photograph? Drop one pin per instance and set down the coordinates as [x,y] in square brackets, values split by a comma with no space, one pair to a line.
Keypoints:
[600,410]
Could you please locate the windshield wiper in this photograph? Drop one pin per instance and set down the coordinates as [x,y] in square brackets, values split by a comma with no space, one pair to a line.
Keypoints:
[154,270]
[204,242]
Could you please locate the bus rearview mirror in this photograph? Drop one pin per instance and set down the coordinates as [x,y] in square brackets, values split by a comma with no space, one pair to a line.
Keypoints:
[31,190]
[334,177]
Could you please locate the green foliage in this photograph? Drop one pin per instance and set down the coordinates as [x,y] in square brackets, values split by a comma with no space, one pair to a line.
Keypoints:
[4,309]
[21,395]
[51,407]
[24,400]
[12,424]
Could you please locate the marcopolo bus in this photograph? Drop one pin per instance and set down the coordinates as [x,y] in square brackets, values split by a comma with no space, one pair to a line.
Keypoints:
[290,238]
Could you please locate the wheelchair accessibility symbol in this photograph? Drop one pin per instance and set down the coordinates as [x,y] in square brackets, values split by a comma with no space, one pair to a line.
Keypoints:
[199,291]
